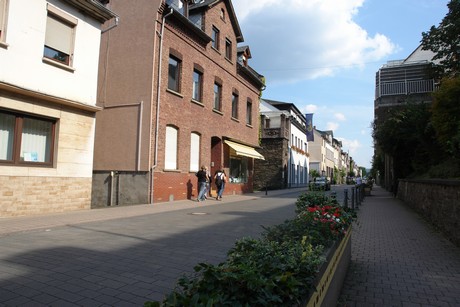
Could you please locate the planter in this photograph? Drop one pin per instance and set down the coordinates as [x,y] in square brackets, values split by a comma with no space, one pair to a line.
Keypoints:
[332,274]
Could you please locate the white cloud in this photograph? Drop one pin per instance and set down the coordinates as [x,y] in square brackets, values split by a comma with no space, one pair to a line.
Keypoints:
[352,145]
[311,108]
[295,40]
[340,116]
[332,126]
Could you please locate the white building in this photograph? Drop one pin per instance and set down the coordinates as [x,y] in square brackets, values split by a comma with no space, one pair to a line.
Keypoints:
[49,52]
[288,123]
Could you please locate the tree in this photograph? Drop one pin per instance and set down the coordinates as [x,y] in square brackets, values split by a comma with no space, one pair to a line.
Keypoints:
[409,138]
[446,116]
[444,41]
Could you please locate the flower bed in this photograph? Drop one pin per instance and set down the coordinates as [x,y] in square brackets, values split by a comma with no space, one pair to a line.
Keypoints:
[281,268]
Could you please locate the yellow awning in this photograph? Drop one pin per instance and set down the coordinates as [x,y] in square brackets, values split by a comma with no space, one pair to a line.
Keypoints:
[243,150]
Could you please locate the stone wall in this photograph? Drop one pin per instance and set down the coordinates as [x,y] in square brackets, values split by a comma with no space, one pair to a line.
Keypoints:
[438,201]
[271,173]
[43,195]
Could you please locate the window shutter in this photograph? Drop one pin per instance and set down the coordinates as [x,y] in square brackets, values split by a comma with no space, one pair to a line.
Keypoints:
[58,35]
[171,148]
[194,152]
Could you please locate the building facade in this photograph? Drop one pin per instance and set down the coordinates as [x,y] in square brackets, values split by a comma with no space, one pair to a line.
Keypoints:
[49,52]
[396,84]
[284,146]
[176,93]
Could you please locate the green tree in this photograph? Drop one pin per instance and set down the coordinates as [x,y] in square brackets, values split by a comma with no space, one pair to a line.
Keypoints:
[446,116]
[444,41]
[407,135]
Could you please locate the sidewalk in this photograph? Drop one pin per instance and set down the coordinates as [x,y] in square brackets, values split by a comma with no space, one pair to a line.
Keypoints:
[398,259]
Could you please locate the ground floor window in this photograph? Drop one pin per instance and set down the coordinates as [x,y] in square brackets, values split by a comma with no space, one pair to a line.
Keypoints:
[239,171]
[25,139]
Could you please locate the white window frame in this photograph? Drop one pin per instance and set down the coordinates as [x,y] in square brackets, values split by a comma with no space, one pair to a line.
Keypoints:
[171,148]
[64,25]
[3,21]
[195,141]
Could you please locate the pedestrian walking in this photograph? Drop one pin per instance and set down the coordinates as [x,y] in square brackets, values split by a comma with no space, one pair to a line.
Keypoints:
[219,179]
[202,177]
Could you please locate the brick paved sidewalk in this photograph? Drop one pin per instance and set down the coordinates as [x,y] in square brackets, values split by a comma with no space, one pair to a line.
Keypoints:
[398,259]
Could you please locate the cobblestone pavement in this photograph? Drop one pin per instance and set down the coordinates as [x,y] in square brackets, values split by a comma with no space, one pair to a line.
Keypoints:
[125,256]
[398,259]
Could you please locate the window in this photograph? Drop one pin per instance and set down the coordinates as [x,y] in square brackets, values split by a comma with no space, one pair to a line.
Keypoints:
[222,14]
[249,113]
[174,74]
[194,152]
[197,85]
[171,148]
[59,37]
[217,96]
[235,105]
[26,140]
[239,172]
[2,19]
[228,49]
[215,38]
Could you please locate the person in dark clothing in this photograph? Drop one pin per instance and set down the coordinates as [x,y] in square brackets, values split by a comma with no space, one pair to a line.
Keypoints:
[220,179]
[202,178]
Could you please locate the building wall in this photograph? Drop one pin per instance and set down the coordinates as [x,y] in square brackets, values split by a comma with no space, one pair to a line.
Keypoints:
[25,38]
[33,87]
[178,109]
[64,187]
[132,67]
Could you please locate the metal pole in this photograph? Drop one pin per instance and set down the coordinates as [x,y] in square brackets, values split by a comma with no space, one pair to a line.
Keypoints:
[353,198]
[345,198]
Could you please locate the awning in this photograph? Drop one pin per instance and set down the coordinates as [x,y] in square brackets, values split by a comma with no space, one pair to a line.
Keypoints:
[243,150]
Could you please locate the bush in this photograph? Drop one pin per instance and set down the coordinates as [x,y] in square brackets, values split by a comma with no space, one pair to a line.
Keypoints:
[276,270]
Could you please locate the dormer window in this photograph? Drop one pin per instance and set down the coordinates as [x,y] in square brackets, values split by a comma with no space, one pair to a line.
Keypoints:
[179,5]
[222,14]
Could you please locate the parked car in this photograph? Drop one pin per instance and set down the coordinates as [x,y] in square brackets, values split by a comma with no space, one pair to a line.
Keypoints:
[321,183]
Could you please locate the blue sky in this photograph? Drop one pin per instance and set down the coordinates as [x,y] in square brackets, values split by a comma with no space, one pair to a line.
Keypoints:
[322,55]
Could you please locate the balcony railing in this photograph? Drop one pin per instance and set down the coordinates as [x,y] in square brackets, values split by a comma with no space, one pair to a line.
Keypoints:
[405,87]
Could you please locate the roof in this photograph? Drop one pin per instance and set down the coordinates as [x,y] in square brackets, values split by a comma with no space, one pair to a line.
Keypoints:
[94,9]
[207,4]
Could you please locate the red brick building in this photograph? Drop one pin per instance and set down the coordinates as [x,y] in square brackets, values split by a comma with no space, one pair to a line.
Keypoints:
[177,93]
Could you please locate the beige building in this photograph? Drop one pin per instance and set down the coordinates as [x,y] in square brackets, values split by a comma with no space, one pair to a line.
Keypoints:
[49,52]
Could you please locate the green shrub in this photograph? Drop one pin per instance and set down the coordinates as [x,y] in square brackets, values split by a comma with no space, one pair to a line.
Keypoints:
[276,270]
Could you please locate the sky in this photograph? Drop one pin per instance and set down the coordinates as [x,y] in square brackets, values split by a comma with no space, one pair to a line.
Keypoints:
[322,56]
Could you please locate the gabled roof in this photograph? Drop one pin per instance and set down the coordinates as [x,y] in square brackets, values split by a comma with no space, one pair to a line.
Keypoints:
[207,4]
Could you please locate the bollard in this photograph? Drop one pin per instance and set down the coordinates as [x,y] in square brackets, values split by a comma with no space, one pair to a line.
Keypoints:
[358,198]
[345,198]
[353,198]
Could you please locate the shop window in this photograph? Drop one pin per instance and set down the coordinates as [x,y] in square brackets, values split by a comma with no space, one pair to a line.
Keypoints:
[239,171]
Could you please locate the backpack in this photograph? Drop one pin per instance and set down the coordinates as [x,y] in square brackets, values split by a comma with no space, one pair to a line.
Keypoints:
[218,180]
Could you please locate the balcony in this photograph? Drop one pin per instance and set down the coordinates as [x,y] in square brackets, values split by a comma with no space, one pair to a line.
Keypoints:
[404,87]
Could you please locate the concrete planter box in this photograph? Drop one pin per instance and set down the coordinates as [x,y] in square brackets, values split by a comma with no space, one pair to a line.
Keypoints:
[330,279]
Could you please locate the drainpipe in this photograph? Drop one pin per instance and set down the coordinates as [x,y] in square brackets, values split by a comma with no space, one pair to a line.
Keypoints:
[157,120]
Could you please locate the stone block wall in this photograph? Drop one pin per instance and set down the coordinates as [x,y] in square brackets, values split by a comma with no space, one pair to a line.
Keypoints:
[43,195]
[438,201]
